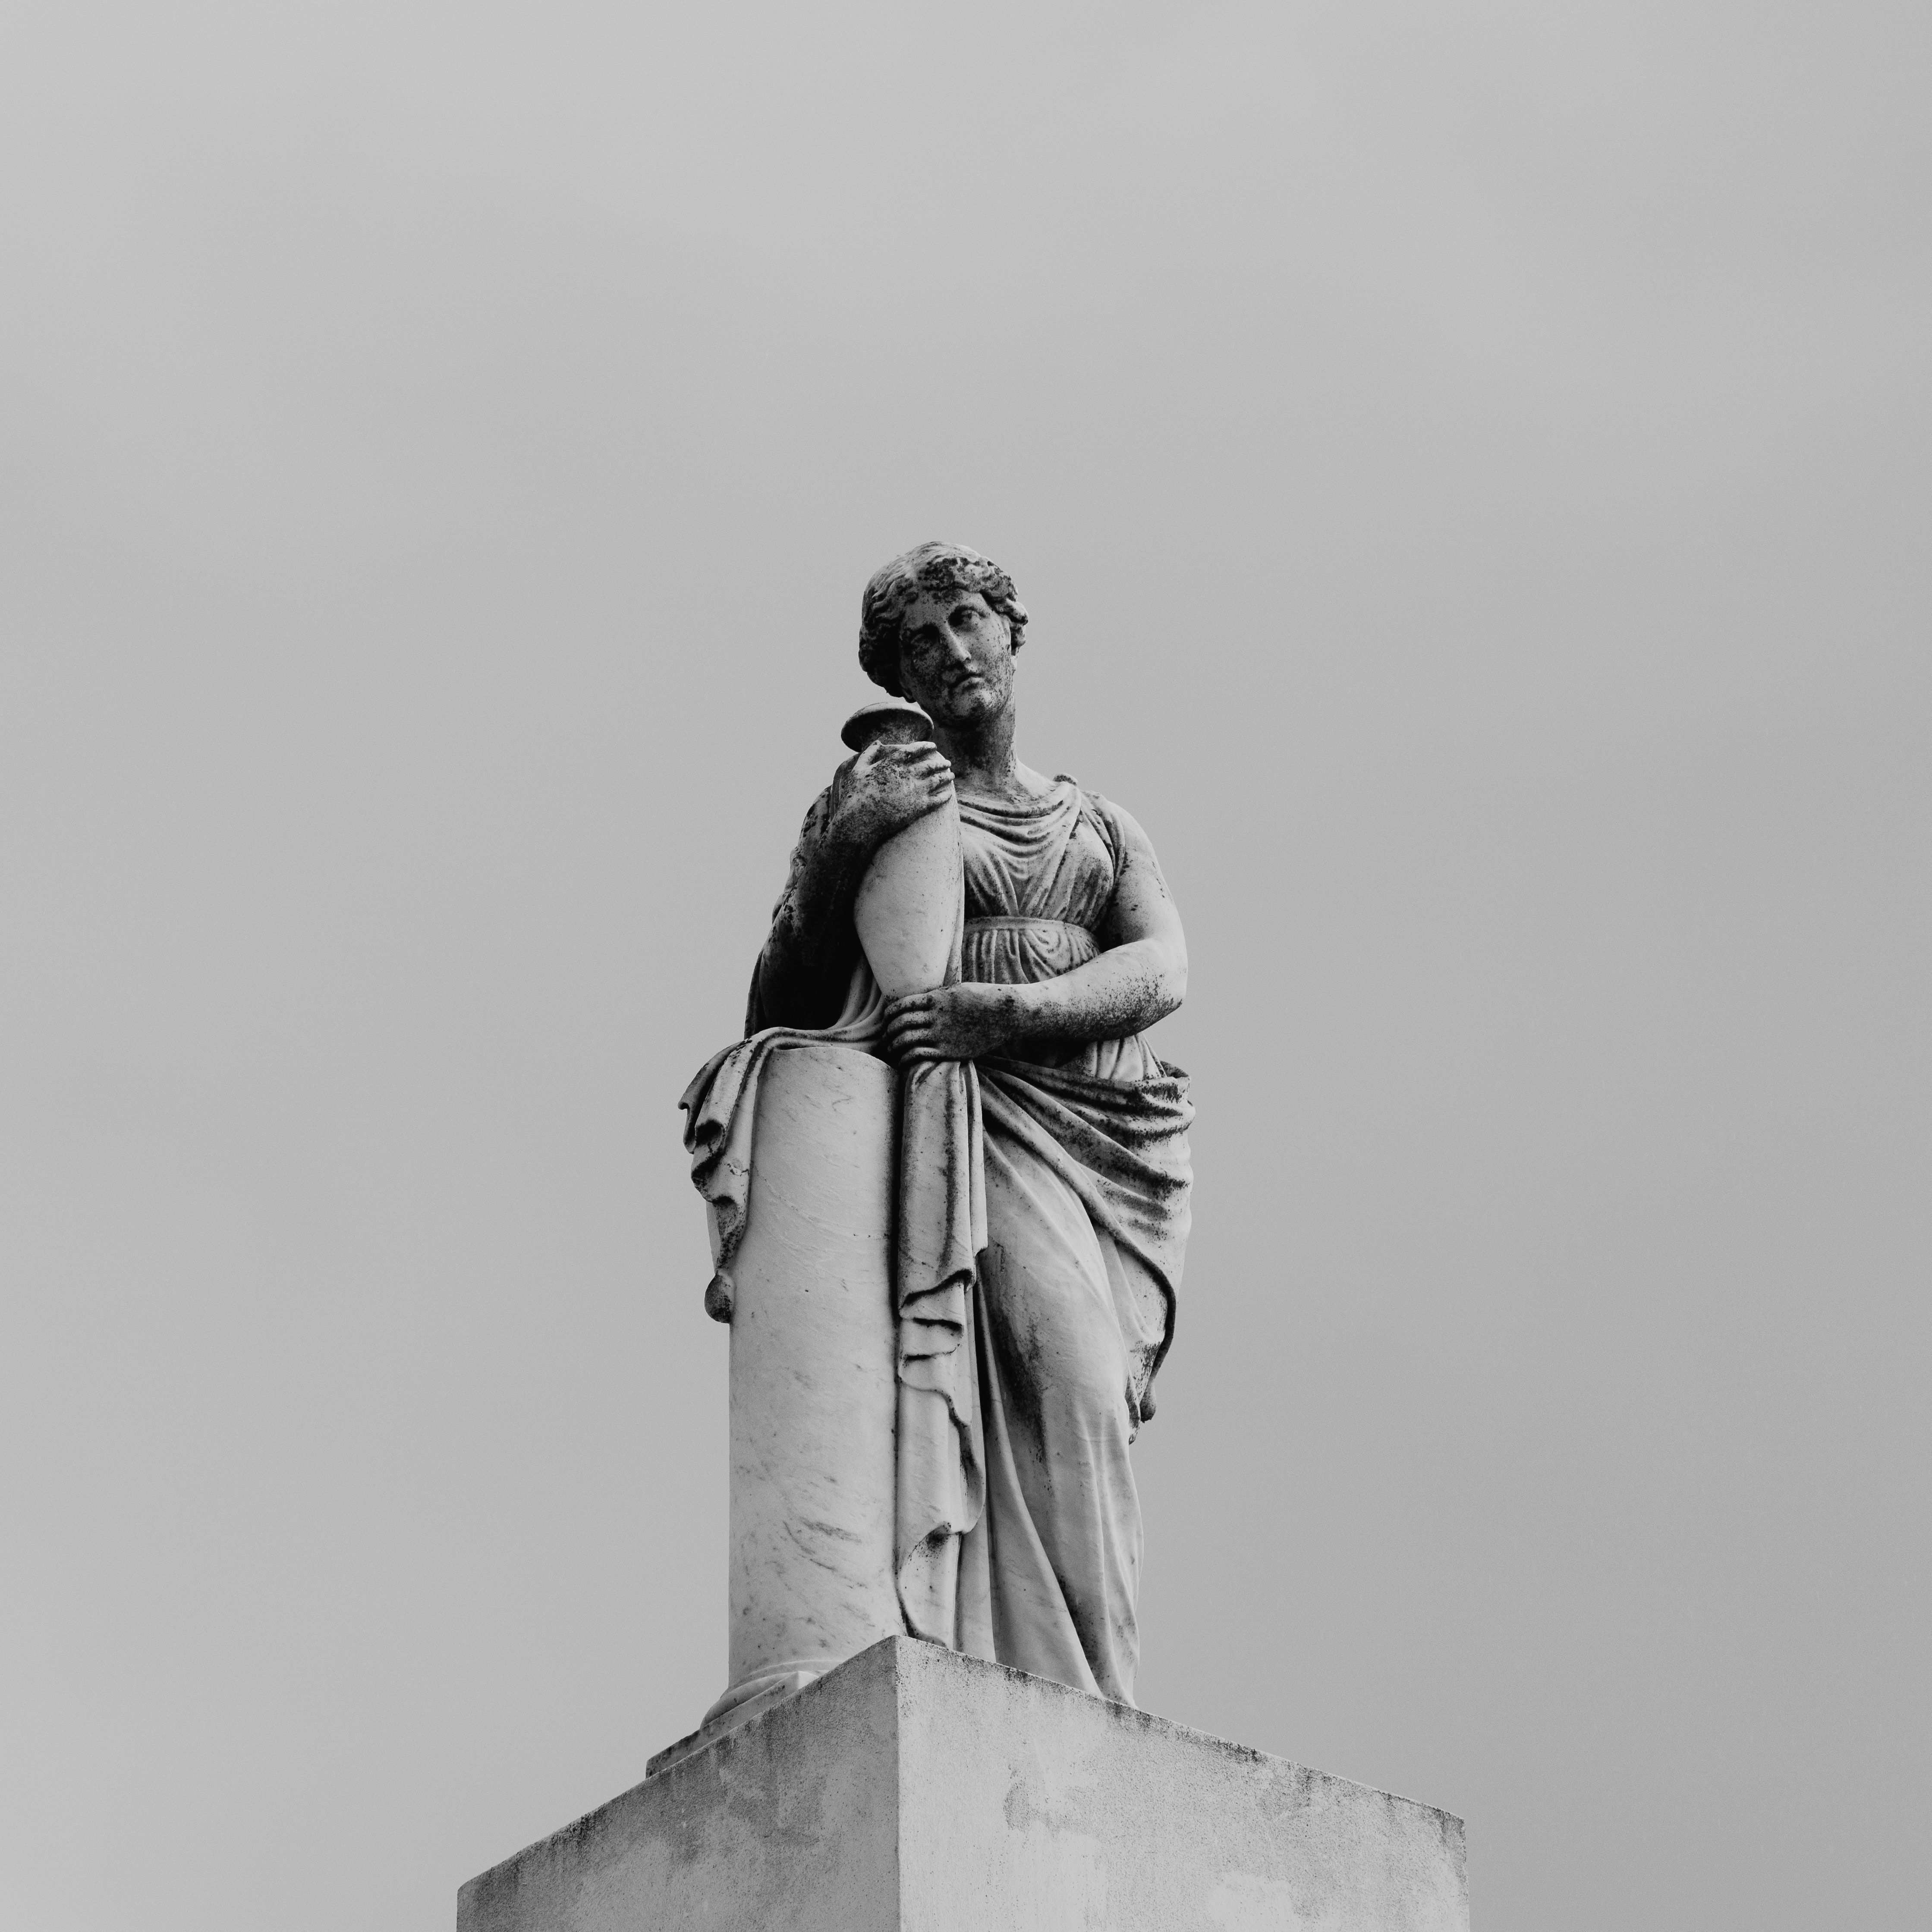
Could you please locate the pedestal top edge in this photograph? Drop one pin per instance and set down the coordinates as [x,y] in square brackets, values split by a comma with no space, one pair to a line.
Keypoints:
[906,1659]
[936,1657]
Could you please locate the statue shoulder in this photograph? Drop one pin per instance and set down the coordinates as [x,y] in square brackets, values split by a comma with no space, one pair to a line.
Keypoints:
[1119,830]
[1116,827]
[811,831]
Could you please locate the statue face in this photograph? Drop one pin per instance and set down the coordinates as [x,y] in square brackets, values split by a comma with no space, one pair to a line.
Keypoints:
[956,658]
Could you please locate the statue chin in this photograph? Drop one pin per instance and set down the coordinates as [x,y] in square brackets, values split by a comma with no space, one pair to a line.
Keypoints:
[967,709]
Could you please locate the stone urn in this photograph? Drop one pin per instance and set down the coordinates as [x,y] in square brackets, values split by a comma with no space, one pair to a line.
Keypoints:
[909,903]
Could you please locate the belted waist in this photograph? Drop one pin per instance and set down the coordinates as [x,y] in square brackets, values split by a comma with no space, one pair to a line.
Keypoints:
[1009,922]
[1019,924]
[1007,949]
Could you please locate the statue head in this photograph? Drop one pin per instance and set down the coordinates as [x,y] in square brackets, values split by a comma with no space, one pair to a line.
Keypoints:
[932,579]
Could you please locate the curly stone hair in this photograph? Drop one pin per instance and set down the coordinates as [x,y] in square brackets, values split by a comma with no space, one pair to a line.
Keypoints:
[925,570]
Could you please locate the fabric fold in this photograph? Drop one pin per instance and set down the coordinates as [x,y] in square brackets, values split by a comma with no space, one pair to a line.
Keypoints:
[939,1235]
[1121,1149]
[721,1109]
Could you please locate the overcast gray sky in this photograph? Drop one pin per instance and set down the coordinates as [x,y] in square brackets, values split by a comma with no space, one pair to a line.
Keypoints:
[1468,467]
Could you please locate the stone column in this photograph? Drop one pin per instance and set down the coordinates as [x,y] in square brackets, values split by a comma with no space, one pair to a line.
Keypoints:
[813,1391]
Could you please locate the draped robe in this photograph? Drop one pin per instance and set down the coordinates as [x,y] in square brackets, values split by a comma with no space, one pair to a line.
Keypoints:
[1043,1216]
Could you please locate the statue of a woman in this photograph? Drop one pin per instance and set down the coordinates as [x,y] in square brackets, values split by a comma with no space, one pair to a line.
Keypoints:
[1072,947]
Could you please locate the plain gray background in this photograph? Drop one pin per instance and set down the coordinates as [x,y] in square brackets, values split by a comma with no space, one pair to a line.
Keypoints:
[1468,470]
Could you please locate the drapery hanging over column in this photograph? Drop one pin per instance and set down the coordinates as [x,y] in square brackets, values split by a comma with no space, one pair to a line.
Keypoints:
[939,1233]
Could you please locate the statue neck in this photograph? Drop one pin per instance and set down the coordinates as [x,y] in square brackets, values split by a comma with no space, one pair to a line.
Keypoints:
[981,755]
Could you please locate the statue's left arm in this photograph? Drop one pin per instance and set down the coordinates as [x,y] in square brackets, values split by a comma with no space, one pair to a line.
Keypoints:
[1141,977]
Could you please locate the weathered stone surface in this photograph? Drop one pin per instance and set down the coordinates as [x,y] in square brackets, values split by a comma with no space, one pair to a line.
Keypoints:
[917,1790]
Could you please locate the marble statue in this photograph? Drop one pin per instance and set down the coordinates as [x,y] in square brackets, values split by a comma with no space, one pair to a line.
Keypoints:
[948,1180]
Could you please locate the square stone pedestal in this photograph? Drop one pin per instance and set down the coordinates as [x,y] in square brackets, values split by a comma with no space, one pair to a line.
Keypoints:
[915,1790]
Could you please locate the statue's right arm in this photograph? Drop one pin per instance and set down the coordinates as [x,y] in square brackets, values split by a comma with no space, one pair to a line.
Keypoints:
[806,966]
[807,961]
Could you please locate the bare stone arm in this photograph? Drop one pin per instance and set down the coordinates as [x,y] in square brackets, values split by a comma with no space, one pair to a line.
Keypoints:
[807,962]
[1140,978]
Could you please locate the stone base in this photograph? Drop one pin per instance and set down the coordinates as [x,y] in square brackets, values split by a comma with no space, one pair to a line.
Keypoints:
[914,1790]
[733,1717]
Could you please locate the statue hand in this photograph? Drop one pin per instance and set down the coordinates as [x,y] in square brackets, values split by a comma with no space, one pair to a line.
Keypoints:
[891,785]
[950,1023]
